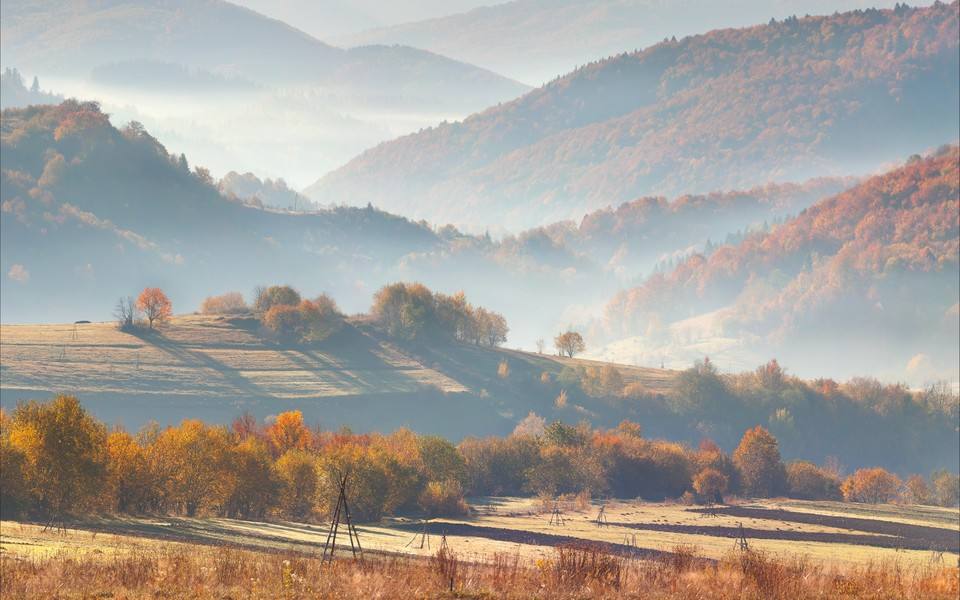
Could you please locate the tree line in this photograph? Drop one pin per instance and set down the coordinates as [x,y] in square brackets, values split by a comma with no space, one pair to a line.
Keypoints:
[57,461]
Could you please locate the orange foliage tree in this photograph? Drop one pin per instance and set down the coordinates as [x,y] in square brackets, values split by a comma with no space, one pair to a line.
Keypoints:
[288,432]
[871,485]
[154,305]
[762,473]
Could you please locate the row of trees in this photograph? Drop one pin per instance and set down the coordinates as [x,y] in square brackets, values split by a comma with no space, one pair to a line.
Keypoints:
[57,460]
[410,311]
[407,311]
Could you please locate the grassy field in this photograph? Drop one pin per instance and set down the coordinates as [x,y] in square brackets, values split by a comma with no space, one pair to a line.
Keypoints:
[507,548]
[215,368]
[835,533]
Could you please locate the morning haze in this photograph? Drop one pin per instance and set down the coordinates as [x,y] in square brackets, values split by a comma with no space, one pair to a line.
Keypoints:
[546,298]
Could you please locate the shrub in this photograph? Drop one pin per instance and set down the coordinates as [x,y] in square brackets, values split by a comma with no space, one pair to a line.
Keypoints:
[710,485]
[226,304]
[309,321]
[946,488]
[807,481]
[874,485]
[266,298]
[443,499]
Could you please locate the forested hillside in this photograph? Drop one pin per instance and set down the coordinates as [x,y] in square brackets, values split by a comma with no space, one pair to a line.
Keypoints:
[536,40]
[133,214]
[724,110]
[94,209]
[236,90]
[15,93]
[868,277]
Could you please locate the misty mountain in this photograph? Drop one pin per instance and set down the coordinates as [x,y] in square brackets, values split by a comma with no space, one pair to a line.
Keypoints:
[536,40]
[65,38]
[105,211]
[639,236]
[867,279]
[270,193]
[325,19]
[729,109]
[237,90]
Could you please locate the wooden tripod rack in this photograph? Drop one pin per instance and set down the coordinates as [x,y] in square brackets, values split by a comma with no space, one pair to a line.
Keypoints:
[341,514]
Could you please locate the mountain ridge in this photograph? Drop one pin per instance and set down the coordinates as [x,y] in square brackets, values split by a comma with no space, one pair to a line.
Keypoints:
[724,110]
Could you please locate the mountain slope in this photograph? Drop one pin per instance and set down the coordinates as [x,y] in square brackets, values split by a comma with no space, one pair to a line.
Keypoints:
[725,110]
[536,40]
[104,212]
[868,277]
[66,38]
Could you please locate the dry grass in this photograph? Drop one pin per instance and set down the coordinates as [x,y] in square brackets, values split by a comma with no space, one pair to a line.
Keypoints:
[208,356]
[178,571]
[201,355]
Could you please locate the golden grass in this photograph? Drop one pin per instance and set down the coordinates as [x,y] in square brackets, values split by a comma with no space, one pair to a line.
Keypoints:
[514,526]
[179,571]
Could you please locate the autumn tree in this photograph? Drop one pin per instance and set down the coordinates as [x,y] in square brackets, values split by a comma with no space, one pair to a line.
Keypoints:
[404,310]
[253,489]
[130,481]
[296,472]
[368,482]
[946,488]
[916,490]
[265,298]
[154,305]
[757,458]
[770,376]
[710,485]
[443,499]
[807,481]
[288,432]
[874,486]
[63,450]
[569,343]
[14,498]
[192,461]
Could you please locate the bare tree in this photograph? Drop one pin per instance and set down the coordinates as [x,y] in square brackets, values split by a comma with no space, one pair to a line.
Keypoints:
[540,345]
[125,313]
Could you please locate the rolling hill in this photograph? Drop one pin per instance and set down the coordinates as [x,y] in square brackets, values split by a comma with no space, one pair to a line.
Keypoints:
[867,278]
[215,368]
[729,109]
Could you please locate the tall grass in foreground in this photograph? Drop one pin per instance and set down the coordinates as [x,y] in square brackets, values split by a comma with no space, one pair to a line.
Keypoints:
[576,571]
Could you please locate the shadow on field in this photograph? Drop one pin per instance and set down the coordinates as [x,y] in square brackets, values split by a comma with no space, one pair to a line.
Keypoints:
[533,538]
[886,534]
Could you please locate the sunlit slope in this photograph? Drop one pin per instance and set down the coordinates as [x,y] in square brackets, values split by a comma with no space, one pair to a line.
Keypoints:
[216,368]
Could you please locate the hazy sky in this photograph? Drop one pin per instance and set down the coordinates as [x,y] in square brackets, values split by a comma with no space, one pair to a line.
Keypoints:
[325,19]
